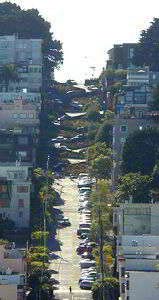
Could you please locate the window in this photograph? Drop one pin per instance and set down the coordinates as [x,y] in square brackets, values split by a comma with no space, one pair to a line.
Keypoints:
[140,114]
[23,140]
[31,116]
[20,214]
[122,272]
[127,284]
[22,116]
[20,203]
[123,128]
[122,140]
[123,288]
[15,116]
[22,154]
[22,189]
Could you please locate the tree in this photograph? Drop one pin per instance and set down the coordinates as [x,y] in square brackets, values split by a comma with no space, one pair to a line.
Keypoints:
[99,148]
[135,187]
[147,51]
[101,167]
[30,24]
[93,115]
[39,236]
[140,151]
[154,105]
[111,288]
[8,74]
[104,134]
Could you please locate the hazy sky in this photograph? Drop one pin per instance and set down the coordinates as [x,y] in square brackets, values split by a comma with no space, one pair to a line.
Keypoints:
[89,28]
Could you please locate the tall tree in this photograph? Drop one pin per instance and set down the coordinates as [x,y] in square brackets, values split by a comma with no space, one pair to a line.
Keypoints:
[141,151]
[147,51]
[136,186]
[30,24]
[8,74]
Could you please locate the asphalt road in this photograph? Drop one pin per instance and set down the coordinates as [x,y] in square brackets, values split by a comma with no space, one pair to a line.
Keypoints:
[67,263]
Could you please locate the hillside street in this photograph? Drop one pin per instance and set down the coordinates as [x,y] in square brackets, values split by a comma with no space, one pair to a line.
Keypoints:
[67,264]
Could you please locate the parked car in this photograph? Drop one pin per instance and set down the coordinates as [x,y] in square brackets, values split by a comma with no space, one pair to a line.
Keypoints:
[86,284]
[86,255]
[81,231]
[84,189]
[87,277]
[65,148]
[64,222]
[87,263]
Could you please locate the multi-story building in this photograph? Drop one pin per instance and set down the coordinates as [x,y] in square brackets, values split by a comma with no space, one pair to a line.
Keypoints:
[12,273]
[140,285]
[121,56]
[137,245]
[15,186]
[26,55]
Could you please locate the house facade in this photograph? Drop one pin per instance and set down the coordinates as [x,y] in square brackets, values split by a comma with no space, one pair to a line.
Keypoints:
[12,273]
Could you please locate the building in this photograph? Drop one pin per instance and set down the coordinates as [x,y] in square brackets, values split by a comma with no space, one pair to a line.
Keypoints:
[121,56]
[15,187]
[12,273]
[142,77]
[140,285]
[137,219]
[26,55]
[137,244]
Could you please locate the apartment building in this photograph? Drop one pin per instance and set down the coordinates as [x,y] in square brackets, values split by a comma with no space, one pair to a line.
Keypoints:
[15,186]
[137,246]
[26,55]
[12,273]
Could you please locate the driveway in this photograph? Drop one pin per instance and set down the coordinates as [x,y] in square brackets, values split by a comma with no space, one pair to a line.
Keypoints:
[67,265]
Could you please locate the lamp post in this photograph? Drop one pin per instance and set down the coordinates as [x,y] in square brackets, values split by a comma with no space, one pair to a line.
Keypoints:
[102,296]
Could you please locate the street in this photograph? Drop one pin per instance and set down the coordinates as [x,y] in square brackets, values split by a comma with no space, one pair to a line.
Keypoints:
[67,265]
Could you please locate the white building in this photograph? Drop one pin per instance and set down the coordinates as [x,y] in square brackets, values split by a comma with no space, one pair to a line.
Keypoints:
[137,244]
[138,77]
[12,273]
[141,286]
[15,185]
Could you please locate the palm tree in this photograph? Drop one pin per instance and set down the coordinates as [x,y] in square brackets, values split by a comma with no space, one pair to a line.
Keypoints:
[8,73]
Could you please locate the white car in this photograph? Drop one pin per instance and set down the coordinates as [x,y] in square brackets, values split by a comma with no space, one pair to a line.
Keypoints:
[85,211]
[87,277]
[86,284]
[81,175]
[87,263]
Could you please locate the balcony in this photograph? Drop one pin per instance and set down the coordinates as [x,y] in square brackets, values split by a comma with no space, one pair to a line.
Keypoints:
[13,279]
